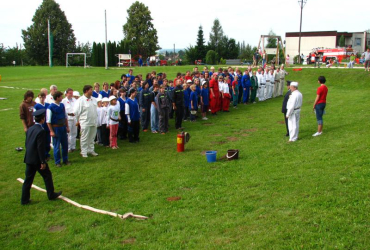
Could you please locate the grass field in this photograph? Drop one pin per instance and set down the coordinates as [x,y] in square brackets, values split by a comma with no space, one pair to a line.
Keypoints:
[311,194]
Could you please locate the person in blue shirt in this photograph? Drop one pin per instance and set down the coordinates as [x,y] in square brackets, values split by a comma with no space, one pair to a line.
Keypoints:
[187,92]
[240,76]
[205,100]
[133,117]
[122,128]
[145,103]
[56,118]
[130,76]
[193,106]
[140,61]
[246,83]
[43,105]
[105,92]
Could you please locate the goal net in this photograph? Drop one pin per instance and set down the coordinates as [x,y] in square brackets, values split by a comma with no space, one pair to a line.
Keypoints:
[74,59]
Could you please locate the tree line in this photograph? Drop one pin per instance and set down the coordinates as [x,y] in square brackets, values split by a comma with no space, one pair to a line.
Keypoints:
[140,38]
[221,47]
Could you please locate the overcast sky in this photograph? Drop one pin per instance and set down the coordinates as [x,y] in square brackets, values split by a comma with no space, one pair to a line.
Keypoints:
[177,22]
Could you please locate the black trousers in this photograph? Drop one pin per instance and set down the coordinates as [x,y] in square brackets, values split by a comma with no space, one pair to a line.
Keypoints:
[286,124]
[240,94]
[186,113]
[122,128]
[30,175]
[179,112]
[105,134]
[133,131]
[145,118]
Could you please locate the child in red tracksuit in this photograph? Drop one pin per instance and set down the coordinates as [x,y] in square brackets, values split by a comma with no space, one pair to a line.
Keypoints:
[225,93]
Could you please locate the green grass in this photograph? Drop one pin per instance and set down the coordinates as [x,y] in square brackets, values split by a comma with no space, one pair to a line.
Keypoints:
[312,194]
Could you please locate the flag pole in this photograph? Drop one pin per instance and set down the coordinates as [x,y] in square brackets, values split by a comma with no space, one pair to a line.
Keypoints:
[106,45]
[49,42]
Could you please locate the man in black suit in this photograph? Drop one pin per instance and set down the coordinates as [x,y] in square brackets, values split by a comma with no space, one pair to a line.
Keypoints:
[35,159]
[284,109]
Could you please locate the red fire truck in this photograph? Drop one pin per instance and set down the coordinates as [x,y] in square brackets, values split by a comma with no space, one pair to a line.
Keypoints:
[337,54]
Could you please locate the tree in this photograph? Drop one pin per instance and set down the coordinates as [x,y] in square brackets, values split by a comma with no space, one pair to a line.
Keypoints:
[191,54]
[140,30]
[201,48]
[342,42]
[271,42]
[211,57]
[36,36]
[216,36]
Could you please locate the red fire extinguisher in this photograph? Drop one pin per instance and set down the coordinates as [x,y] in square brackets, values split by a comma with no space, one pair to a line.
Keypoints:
[182,138]
[180,142]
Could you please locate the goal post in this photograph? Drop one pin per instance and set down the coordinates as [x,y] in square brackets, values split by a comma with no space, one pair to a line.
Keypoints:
[68,55]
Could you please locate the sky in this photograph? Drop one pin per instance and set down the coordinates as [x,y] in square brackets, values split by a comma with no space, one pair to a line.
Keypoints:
[177,22]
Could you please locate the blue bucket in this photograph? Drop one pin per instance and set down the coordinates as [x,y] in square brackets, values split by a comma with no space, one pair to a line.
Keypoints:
[211,156]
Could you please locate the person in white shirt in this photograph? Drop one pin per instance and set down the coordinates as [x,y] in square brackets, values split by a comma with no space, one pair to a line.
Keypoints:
[225,94]
[271,81]
[283,73]
[113,118]
[85,111]
[69,102]
[276,82]
[43,90]
[261,85]
[104,130]
[294,111]
[49,98]
[366,56]
[264,80]
[99,121]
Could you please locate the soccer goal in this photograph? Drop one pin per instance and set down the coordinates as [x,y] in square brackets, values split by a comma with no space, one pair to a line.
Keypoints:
[70,55]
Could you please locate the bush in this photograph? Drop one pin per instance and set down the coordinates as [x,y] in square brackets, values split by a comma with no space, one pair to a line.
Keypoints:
[222,61]
[211,57]
[296,59]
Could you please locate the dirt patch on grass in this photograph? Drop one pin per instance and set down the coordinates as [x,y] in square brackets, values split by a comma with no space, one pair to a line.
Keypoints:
[56,228]
[175,198]
[245,135]
[129,241]
[250,130]
[281,122]
[218,142]
[231,138]
[207,124]
[217,135]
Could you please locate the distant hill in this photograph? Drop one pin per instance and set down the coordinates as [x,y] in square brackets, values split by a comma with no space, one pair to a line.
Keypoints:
[169,50]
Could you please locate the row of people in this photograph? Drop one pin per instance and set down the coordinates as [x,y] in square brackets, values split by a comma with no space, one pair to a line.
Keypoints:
[114,112]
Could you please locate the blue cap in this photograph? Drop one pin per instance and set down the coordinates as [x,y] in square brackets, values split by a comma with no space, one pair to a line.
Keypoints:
[39,112]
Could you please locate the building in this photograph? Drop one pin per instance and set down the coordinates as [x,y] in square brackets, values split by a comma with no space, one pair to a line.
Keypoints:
[326,39]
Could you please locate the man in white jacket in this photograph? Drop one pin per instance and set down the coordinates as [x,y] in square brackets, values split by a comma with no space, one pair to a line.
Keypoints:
[86,114]
[294,111]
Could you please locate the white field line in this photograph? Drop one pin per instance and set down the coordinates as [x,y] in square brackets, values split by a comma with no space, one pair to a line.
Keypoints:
[6,109]
[8,87]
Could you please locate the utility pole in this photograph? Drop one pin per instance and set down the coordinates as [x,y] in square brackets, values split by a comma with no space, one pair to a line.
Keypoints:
[106,45]
[301,3]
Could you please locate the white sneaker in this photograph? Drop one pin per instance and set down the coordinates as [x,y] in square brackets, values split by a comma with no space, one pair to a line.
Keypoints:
[317,134]
[94,153]
[204,118]
[84,155]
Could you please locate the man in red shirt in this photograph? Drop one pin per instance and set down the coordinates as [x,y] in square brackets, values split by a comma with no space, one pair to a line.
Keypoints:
[320,103]
[214,94]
